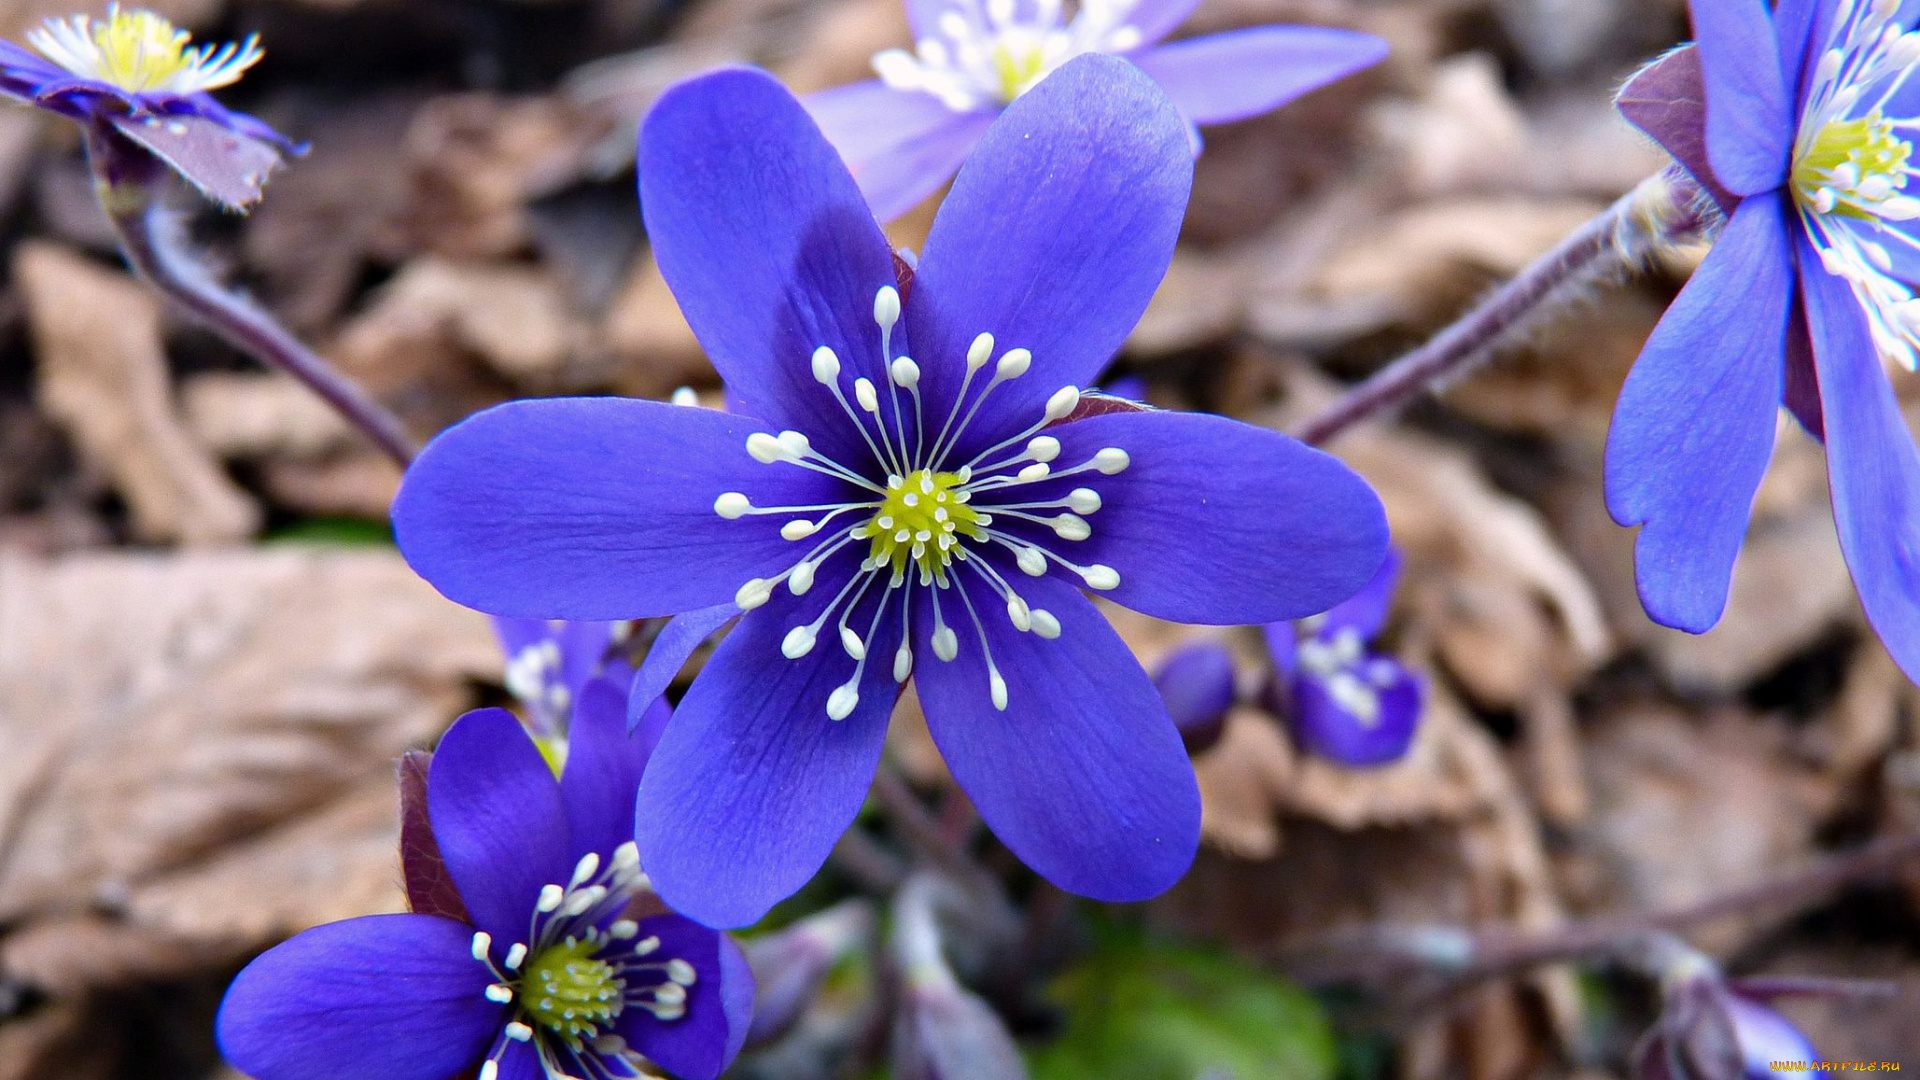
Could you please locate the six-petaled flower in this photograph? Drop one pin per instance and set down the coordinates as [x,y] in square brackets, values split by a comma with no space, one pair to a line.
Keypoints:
[905,133]
[909,494]
[132,75]
[556,961]
[1345,700]
[1805,299]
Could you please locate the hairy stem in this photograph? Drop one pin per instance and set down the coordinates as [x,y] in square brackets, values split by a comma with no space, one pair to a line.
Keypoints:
[154,248]
[1661,208]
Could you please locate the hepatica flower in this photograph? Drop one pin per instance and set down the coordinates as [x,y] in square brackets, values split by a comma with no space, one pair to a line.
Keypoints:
[546,963]
[134,75]
[1345,700]
[905,133]
[907,491]
[1806,298]
[549,663]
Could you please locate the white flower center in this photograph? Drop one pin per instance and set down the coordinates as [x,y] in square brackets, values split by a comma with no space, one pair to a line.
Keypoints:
[1340,663]
[926,517]
[140,52]
[1852,163]
[571,979]
[984,53]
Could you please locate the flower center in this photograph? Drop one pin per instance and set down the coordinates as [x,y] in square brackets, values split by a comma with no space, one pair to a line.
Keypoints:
[580,968]
[984,54]
[920,519]
[1852,166]
[929,515]
[138,52]
[570,993]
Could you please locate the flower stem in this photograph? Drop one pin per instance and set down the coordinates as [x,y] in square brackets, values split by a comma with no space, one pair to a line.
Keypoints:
[1660,209]
[151,241]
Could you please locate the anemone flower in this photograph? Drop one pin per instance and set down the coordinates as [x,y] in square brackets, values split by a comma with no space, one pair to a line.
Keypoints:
[911,488]
[1806,299]
[906,132]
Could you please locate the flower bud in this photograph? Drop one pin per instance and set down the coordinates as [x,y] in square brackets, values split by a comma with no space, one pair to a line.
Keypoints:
[1197,684]
[943,1032]
[790,967]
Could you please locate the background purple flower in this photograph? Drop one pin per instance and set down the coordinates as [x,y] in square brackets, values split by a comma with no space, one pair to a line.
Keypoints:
[905,133]
[915,499]
[1805,141]
[135,74]
[1344,700]
[552,916]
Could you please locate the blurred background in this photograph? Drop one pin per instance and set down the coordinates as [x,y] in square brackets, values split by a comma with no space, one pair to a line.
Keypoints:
[210,653]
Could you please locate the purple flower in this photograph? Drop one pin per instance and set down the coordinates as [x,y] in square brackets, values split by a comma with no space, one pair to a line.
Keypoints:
[552,963]
[550,661]
[1712,1028]
[1805,142]
[134,74]
[1197,683]
[916,498]
[905,133]
[1347,702]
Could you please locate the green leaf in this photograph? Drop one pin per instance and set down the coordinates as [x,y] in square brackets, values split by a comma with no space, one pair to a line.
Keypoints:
[1141,1008]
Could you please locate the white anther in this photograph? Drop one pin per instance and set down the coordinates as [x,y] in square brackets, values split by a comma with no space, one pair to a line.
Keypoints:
[1043,448]
[499,993]
[851,642]
[1064,400]
[1111,460]
[482,946]
[902,663]
[731,505]
[671,994]
[684,395]
[646,946]
[906,373]
[610,1045]
[886,306]
[516,956]
[1830,62]
[755,592]
[765,448]
[489,1070]
[550,897]
[1020,613]
[1100,576]
[626,858]
[840,703]
[1036,471]
[826,366]
[1083,500]
[863,392]
[798,529]
[1823,200]
[1013,364]
[1045,624]
[802,578]
[1877,255]
[946,644]
[979,352]
[519,1032]
[798,642]
[1031,561]
[997,686]
[1899,208]
[1069,527]
[584,900]
[584,870]
[681,972]
[623,930]
[795,444]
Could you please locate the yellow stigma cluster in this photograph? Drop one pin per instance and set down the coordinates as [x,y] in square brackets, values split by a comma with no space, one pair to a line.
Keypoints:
[1861,161]
[918,521]
[140,52]
[569,992]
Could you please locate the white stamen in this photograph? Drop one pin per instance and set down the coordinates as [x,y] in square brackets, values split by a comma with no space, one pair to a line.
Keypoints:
[1100,577]
[826,366]
[1045,624]
[1064,400]
[840,703]
[731,505]
[946,644]
[799,529]
[997,686]
[585,869]
[851,642]
[499,994]
[979,352]
[1043,448]
[516,956]
[886,306]
[1083,500]
[1013,364]
[482,946]
[864,393]
[802,578]
[518,1031]
[755,592]
[906,373]
[798,642]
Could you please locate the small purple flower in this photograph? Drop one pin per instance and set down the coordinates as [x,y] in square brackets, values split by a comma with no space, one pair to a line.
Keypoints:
[1197,683]
[1347,702]
[553,964]
[1712,1028]
[550,661]
[918,497]
[1805,143]
[905,133]
[134,74]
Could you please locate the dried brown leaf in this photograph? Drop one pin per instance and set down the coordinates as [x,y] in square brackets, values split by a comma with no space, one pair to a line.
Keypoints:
[103,376]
